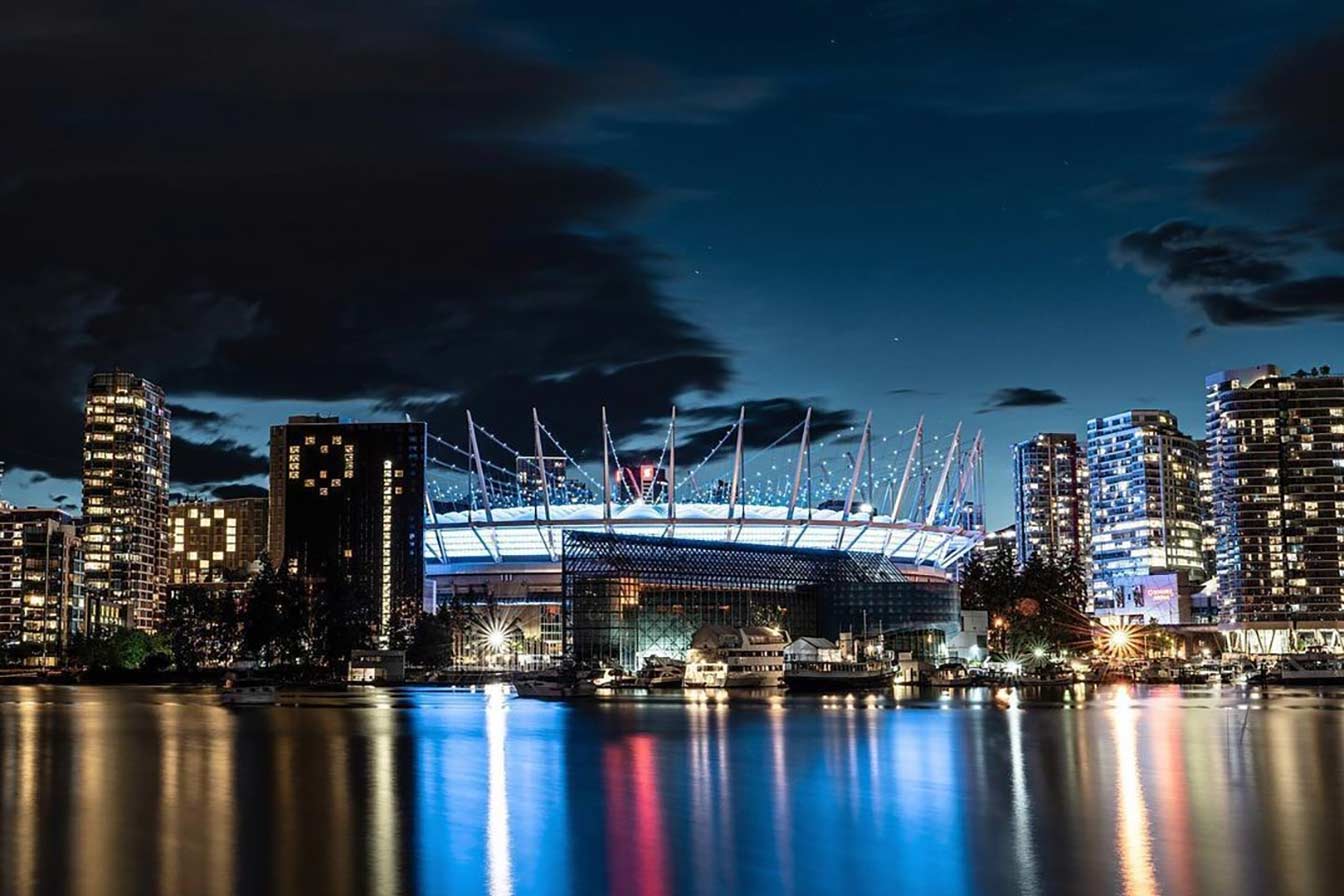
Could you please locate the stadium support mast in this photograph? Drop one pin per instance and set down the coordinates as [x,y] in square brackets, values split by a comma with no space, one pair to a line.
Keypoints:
[905,479]
[909,468]
[541,464]
[429,504]
[967,474]
[858,466]
[606,472]
[737,463]
[803,447]
[942,480]
[480,470]
[672,468]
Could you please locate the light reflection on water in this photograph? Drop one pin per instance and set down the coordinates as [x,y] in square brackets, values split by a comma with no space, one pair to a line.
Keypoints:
[143,790]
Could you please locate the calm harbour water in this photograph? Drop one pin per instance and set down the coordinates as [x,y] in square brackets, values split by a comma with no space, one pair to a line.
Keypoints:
[160,791]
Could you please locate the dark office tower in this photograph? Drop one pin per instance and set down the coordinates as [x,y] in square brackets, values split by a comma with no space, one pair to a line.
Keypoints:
[1050,496]
[41,582]
[349,499]
[125,534]
[1276,454]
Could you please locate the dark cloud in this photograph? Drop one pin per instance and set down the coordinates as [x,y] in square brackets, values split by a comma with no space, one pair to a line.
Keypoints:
[207,420]
[1183,257]
[222,460]
[1320,298]
[1234,277]
[238,490]
[1294,153]
[700,428]
[333,203]
[1289,170]
[1021,397]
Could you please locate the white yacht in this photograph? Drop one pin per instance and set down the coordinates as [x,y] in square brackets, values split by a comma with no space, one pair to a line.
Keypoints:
[662,672]
[704,673]
[560,682]
[736,657]
[1312,668]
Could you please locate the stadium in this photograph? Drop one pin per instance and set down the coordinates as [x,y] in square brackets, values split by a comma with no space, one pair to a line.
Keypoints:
[624,560]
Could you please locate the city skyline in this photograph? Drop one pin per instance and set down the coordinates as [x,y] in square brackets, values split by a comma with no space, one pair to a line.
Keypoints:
[535,448]
[886,261]
[998,475]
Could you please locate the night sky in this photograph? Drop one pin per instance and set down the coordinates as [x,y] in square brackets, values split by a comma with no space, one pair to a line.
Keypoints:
[1015,215]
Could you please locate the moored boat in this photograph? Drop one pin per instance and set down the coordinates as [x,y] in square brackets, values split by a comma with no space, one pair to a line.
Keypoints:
[246,692]
[562,682]
[704,673]
[951,675]
[1305,669]
[826,676]
[751,657]
[662,672]
[1047,675]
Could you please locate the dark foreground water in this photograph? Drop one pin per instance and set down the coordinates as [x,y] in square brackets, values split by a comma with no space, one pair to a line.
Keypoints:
[154,791]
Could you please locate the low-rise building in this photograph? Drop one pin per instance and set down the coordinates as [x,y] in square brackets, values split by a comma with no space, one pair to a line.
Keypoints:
[217,544]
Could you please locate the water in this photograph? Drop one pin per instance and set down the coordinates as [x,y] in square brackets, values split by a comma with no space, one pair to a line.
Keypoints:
[160,791]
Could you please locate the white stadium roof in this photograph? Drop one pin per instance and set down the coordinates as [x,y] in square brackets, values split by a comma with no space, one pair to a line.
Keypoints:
[525,534]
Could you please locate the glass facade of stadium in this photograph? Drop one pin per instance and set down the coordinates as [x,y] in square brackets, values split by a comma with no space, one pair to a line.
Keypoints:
[627,597]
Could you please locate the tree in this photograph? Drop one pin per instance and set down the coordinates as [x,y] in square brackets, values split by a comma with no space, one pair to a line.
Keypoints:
[989,584]
[431,641]
[277,618]
[202,626]
[1037,605]
[123,649]
[342,620]
[459,619]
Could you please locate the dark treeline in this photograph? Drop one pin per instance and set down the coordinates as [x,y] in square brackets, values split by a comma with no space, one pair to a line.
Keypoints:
[305,627]
[1041,604]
